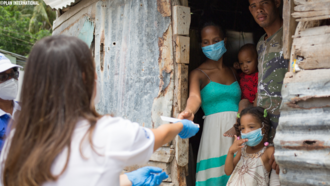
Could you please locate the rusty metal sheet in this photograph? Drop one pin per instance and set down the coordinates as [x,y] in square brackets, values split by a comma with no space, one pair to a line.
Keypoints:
[133,53]
[134,62]
[302,140]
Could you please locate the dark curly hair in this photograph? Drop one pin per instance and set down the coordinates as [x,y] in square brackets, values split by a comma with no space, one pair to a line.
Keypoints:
[258,113]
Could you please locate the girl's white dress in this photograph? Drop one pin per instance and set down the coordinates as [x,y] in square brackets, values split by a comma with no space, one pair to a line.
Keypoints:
[250,170]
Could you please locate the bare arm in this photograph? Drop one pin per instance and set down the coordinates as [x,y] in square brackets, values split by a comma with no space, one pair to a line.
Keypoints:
[194,101]
[268,155]
[166,133]
[231,162]
[124,181]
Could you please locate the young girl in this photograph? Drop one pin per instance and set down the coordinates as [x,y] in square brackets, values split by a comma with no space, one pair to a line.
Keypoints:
[251,165]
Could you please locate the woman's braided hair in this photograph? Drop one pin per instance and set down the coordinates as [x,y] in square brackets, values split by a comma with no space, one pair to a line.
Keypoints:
[259,113]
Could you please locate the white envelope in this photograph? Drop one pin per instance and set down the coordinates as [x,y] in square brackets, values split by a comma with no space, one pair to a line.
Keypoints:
[172,120]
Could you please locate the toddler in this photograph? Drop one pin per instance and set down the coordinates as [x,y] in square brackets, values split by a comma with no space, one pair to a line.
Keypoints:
[248,61]
[251,165]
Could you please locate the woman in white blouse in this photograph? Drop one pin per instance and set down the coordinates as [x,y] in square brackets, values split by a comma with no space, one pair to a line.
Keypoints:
[59,139]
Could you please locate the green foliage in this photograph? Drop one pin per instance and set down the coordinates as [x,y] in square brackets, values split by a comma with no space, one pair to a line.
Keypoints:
[42,17]
[22,26]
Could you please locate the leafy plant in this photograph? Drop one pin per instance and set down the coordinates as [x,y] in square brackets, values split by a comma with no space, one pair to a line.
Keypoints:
[22,26]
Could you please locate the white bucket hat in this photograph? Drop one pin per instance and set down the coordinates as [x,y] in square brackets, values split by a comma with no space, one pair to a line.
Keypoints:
[5,63]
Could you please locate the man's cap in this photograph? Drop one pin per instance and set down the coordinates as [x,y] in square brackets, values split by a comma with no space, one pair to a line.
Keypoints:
[5,63]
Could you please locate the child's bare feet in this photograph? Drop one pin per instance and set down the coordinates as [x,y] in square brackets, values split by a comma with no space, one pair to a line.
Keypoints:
[230,133]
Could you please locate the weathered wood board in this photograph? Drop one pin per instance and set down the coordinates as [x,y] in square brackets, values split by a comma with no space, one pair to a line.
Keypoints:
[312,51]
[289,27]
[183,86]
[303,2]
[180,98]
[163,154]
[313,45]
[311,10]
[313,31]
[181,20]
[315,63]
[182,49]
[312,6]
[312,40]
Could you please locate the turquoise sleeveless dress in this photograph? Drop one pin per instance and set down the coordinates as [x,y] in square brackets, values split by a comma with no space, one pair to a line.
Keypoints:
[220,105]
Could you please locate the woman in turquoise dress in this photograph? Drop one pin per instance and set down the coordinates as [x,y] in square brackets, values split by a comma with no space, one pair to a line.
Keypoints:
[214,87]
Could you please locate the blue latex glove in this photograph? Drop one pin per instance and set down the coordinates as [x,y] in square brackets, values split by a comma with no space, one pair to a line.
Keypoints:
[147,176]
[189,129]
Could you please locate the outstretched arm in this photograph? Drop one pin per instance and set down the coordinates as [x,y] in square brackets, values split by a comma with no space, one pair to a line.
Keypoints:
[166,133]
[194,101]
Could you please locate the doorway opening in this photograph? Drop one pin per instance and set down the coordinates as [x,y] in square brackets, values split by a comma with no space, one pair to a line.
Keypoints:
[236,20]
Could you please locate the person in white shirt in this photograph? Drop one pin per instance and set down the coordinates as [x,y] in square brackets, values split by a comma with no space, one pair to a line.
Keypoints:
[8,92]
[59,139]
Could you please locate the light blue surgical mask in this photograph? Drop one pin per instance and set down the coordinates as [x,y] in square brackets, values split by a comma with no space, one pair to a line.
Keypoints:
[254,137]
[215,51]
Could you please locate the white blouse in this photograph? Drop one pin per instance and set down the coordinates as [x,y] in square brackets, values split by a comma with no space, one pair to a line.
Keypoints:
[118,142]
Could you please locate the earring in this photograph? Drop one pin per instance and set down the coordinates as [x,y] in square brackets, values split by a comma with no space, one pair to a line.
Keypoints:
[266,144]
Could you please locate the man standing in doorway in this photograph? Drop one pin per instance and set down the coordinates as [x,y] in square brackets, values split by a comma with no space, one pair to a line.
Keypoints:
[271,64]
[8,92]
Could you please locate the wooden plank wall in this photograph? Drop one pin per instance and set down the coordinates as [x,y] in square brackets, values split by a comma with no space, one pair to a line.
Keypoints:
[310,40]
[181,24]
[289,27]
[181,19]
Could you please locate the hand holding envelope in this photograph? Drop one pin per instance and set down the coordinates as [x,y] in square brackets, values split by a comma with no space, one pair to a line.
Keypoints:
[189,128]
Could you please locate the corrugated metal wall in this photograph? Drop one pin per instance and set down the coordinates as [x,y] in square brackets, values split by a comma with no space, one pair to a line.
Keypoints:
[136,78]
[127,59]
[302,142]
[302,139]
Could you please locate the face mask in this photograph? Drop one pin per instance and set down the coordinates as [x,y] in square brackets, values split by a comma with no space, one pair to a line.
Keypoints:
[8,89]
[215,51]
[254,137]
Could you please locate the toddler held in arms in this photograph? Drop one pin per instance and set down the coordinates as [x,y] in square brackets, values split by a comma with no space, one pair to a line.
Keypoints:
[248,61]
[251,165]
